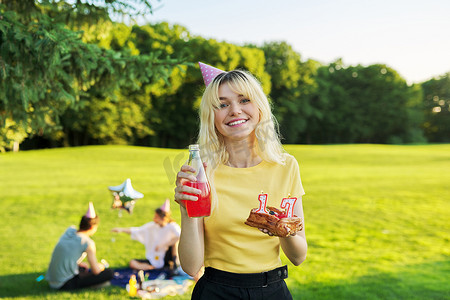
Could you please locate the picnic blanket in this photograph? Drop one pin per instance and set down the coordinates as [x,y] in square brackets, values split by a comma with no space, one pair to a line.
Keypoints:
[158,282]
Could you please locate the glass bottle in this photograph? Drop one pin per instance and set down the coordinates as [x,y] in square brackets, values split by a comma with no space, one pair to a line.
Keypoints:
[201,207]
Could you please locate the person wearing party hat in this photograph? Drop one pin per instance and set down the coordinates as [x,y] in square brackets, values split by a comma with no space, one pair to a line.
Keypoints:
[238,138]
[160,238]
[66,270]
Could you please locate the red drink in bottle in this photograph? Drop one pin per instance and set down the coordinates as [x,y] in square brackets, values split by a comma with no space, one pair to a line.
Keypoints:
[201,207]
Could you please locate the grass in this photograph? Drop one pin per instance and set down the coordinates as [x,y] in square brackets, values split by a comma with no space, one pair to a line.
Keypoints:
[376,216]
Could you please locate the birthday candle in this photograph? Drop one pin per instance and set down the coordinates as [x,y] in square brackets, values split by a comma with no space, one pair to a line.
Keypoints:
[288,204]
[262,203]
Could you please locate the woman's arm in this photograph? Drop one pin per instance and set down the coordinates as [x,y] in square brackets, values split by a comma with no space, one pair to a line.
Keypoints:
[96,267]
[191,245]
[120,229]
[295,247]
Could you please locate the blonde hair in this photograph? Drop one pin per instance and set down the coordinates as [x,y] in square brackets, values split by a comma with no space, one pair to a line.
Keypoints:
[211,142]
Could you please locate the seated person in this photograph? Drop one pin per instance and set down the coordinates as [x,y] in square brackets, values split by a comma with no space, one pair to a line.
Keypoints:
[160,238]
[66,270]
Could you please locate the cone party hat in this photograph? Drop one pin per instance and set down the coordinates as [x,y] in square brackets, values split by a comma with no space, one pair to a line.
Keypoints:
[91,211]
[209,73]
[166,206]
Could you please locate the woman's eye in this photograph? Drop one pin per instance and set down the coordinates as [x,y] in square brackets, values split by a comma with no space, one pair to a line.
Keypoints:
[222,105]
[245,100]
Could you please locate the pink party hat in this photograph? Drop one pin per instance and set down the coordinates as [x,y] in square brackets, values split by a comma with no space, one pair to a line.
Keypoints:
[209,73]
[91,211]
[166,206]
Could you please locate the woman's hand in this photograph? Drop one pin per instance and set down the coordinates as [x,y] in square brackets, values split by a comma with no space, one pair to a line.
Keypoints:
[101,267]
[263,230]
[185,174]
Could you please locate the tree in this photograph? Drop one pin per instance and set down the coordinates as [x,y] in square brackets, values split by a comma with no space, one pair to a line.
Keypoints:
[124,118]
[436,104]
[366,105]
[46,68]
[291,81]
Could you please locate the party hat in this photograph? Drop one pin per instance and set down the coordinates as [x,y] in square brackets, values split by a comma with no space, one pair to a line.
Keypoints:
[91,211]
[166,206]
[209,73]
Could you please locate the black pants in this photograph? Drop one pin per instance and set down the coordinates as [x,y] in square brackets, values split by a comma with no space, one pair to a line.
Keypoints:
[217,284]
[86,280]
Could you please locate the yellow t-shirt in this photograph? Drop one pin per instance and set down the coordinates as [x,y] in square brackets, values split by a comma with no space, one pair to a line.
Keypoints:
[232,246]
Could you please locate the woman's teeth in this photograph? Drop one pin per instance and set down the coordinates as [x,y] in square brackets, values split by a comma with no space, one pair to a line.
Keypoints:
[237,122]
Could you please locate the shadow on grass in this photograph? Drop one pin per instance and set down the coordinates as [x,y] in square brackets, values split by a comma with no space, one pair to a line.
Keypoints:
[25,285]
[423,281]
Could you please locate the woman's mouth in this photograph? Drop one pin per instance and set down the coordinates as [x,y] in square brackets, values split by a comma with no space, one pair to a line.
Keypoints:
[236,122]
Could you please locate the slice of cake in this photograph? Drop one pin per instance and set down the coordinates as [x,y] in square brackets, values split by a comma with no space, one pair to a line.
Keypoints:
[276,222]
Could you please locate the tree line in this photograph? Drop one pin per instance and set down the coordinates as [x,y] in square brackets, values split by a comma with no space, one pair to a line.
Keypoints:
[70,76]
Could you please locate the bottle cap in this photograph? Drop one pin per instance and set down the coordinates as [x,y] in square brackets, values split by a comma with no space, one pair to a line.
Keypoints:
[194,147]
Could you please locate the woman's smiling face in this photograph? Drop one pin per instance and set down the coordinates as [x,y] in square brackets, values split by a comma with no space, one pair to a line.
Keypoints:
[237,116]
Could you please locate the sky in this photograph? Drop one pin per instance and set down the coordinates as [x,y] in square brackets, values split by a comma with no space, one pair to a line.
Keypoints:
[410,36]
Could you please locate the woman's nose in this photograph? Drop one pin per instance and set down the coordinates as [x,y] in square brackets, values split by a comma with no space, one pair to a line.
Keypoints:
[235,109]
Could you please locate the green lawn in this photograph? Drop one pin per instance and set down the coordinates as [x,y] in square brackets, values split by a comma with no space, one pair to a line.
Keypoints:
[377,216]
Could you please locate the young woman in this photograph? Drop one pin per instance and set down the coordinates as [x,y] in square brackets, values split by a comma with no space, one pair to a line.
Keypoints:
[160,239]
[243,156]
[66,270]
